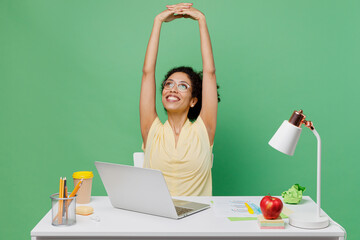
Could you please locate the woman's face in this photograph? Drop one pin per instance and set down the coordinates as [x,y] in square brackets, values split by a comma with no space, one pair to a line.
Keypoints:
[175,98]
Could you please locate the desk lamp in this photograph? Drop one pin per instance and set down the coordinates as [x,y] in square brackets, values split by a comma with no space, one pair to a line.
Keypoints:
[285,140]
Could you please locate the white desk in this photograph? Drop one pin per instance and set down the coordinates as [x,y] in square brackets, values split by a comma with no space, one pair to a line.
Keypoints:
[121,224]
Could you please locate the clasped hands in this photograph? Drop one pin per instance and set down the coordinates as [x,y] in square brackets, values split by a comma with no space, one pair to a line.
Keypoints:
[180,10]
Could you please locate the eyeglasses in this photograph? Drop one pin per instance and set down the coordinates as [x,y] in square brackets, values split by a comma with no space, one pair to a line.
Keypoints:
[182,86]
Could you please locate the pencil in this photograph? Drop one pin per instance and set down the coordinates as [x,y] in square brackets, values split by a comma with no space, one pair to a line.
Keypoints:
[59,202]
[61,195]
[78,185]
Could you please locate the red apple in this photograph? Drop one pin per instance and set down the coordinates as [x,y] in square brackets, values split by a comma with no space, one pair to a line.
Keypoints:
[271,207]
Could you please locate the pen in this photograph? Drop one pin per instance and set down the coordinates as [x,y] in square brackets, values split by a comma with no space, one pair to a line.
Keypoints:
[65,189]
[65,210]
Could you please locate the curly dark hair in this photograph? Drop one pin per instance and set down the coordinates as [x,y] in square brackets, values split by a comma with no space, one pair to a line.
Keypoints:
[196,84]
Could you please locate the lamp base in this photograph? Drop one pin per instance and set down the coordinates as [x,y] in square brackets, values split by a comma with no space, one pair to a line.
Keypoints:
[308,220]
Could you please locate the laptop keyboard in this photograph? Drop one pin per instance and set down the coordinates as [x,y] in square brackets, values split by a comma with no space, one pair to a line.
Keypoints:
[180,210]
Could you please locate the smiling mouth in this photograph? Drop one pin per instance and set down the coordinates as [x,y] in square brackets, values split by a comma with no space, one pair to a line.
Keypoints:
[172,98]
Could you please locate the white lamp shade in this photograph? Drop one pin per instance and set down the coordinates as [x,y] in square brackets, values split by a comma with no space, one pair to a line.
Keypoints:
[286,138]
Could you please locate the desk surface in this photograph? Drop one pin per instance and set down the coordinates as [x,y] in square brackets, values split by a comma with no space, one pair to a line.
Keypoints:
[121,224]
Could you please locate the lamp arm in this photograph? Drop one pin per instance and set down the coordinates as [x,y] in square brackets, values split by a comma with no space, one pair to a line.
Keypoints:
[318,191]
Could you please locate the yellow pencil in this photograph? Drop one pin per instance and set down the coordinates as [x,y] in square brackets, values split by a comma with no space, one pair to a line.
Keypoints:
[59,202]
[78,185]
[61,195]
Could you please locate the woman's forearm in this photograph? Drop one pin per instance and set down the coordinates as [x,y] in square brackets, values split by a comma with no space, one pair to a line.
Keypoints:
[152,48]
[206,49]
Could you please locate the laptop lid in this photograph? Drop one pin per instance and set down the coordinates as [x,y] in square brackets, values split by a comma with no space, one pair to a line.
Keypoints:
[137,189]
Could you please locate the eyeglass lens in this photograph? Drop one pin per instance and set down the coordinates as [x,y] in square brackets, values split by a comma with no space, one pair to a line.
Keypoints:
[169,84]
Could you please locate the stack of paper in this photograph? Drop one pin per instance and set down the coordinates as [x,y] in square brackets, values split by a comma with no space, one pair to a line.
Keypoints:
[271,224]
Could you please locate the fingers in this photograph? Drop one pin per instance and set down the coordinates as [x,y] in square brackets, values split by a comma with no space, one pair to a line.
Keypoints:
[180,4]
[168,12]
[179,8]
[187,13]
[182,11]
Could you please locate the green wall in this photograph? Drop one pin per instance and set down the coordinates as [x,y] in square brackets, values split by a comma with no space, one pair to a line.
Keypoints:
[70,75]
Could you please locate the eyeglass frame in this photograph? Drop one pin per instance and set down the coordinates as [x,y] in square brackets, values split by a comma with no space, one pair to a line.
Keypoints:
[177,84]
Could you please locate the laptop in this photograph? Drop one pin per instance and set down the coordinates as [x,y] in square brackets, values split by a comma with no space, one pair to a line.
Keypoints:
[143,190]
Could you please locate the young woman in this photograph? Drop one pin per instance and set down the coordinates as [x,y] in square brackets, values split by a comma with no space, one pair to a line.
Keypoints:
[180,148]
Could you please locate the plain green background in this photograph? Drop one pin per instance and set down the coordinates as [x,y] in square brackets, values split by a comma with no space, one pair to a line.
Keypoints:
[70,75]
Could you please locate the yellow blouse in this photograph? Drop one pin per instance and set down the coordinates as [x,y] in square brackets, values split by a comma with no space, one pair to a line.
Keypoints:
[187,167]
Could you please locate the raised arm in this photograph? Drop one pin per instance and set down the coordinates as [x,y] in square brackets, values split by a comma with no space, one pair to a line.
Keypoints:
[209,88]
[148,88]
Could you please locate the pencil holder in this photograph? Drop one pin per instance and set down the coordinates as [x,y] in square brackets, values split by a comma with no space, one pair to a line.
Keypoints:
[63,210]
